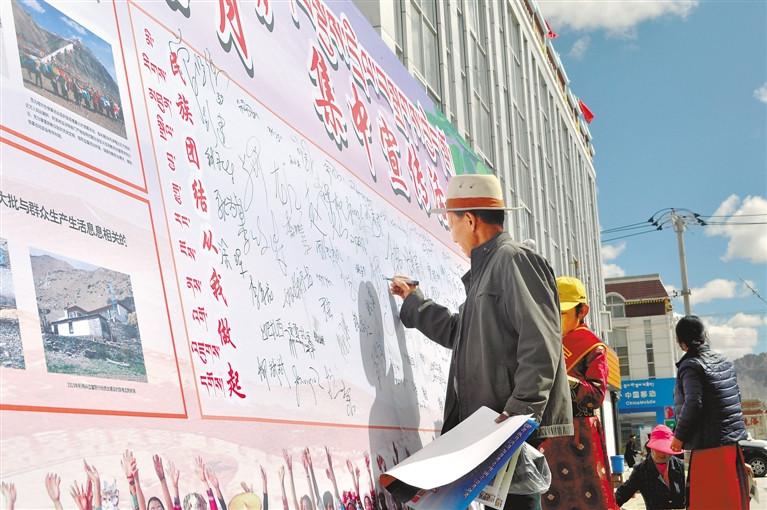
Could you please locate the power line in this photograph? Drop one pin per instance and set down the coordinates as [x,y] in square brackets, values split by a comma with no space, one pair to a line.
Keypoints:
[643,224]
[729,215]
[630,235]
[706,223]
[753,290]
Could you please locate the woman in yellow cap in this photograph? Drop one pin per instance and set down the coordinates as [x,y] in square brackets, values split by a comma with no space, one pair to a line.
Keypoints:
[580,473]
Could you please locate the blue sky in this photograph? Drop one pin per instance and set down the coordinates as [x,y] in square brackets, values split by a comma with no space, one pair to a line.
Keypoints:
[57,22]
[679,91]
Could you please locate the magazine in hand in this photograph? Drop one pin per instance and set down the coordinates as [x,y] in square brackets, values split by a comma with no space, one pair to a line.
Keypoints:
[450,472]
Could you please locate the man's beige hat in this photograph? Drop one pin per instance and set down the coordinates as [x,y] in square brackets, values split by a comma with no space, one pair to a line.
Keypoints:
[473,191]
[572,292]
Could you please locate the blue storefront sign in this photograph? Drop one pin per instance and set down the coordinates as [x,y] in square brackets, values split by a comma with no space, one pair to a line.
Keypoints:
[643,395]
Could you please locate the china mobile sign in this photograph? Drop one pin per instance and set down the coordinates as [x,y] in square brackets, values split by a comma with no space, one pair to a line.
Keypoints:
[646,394]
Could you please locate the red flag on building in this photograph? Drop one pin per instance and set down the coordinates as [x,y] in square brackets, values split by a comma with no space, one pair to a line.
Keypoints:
[550,34]
[587,115]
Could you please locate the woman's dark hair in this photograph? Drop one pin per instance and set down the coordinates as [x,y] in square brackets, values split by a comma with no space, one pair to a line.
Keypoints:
[691,332]
[154,498]
[489,216]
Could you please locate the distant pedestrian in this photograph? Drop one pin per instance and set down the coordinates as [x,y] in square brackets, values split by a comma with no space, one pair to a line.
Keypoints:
[659,478]
[630,451]
[710,422]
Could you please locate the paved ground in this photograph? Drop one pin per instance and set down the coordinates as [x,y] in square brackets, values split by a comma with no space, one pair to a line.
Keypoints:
[638,504]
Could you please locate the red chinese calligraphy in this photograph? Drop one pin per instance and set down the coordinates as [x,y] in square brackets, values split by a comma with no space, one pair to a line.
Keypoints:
[419,180]
[362,127]
[183,108]
[215,286]
[234,382]
[207,241]
[264,13]
[225,333]
[200,199]
[325,105]
[447,156]
[175,67]
[230,32]
[391,151]
[191,152]
[439,196]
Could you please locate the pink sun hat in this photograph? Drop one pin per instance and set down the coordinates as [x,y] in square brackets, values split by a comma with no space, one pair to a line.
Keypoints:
[660,440]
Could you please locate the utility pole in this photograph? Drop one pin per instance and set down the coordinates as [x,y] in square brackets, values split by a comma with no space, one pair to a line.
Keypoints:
[679,226]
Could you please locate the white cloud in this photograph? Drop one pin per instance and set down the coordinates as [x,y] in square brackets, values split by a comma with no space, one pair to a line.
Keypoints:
[581,45]
[616,17]
[745,320]
[731,340]
[745,241]
[73,25]
[611,252]
[34,5]
[761,93]
[612,271]
[718,288]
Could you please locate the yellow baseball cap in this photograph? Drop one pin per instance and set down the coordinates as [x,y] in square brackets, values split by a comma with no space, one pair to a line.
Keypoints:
[571,292]
[245,501]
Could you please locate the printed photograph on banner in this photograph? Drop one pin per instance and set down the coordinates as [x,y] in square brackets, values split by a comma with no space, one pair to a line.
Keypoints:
[87,318]
[11,350]
[68,64]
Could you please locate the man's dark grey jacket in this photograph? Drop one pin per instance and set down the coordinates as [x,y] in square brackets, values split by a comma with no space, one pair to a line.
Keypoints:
[506,340]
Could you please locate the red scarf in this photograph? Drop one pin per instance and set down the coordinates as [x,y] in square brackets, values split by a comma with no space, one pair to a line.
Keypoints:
[577,344]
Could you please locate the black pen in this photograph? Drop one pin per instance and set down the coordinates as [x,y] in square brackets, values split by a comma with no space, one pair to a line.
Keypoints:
[412,283]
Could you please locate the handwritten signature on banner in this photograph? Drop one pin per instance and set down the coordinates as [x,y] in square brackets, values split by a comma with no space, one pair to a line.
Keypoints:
[409,174]
[267,231]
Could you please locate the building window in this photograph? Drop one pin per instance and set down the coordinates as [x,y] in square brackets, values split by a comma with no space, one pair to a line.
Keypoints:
[399,38]
[71,328]
[619,341]
[649,348]
[478,47]
[616,305]
[425,56]
[462,58]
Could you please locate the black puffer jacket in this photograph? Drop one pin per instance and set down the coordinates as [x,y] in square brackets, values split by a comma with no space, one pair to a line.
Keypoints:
[646,479]
[707,401]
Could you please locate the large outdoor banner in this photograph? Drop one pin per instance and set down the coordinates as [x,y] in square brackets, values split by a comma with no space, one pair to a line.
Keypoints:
[200,202]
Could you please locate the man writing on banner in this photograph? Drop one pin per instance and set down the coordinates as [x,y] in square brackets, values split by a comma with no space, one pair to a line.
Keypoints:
[505,338]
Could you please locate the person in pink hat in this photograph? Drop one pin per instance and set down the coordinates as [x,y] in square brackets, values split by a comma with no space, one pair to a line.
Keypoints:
[659,478]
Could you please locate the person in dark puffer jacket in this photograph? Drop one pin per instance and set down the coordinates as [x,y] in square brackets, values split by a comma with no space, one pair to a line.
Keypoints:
[709,422]
[659,478]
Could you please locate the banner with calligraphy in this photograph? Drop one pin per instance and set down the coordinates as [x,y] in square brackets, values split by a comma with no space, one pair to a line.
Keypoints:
[200,204]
